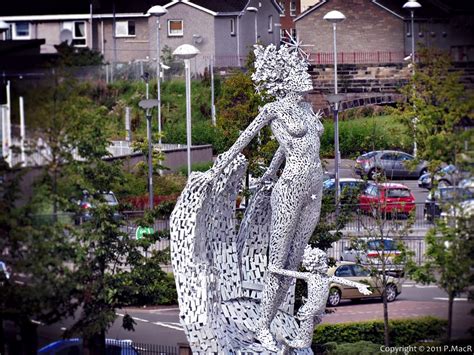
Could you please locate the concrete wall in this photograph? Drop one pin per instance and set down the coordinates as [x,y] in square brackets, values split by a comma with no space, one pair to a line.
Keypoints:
[246,25]
[195,22]
[128,48]
[367,28]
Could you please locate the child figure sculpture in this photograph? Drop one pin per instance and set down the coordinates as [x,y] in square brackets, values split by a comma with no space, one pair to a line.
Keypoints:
[309,315]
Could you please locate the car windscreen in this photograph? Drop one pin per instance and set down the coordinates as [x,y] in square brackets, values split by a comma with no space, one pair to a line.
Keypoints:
[455,194]
[110,198]
[368,155]
[328,184]
[377,245]
[395,193]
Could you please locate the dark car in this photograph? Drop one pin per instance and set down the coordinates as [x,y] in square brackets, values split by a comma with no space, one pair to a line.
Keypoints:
[444,197]
[350,188]
[86,205]
[450,175]
[389,163]
[74,346]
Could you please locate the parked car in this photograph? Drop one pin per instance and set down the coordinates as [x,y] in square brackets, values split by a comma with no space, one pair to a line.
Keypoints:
[388,198]
[74,346]
[368,251]
[467,184]
[389,163]
[350,188]
[358,273]
[86,205]
[443,198]
[450,175]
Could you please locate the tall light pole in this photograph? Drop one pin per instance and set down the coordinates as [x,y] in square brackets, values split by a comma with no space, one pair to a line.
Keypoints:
[213,99]
[187,52]
[412,5]
[255,11]
[335,17]
[158,11]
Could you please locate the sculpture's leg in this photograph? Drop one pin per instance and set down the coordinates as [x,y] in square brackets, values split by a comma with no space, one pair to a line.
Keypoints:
[286,203]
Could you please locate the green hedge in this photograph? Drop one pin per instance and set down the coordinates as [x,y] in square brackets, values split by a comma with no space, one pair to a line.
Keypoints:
[365,134]
[402,331]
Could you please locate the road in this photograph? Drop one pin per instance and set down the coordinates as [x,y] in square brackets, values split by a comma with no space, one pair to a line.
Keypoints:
[160,325]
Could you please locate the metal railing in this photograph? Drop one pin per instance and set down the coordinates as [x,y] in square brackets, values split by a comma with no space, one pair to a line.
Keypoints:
[357,57]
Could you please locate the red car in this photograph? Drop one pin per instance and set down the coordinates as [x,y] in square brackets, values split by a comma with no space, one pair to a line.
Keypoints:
[387,198]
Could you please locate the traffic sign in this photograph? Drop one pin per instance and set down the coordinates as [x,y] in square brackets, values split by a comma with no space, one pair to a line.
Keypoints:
[143,230]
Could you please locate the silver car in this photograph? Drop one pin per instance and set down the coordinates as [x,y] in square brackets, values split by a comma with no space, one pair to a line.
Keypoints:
[389,163]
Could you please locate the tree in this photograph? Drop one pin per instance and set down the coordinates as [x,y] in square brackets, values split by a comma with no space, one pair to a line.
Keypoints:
[440,103]
[449,257]
[40,286]
[384,233]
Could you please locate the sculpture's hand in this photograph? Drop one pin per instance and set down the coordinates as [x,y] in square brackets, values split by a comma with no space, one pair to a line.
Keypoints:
[200,181]
[364,290]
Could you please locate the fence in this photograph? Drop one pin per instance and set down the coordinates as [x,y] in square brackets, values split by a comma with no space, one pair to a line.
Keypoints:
[146,349]
[357,57]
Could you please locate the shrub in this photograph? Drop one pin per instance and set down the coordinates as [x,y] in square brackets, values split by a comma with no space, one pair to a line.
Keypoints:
[402,331]
[359,348]
[202,166]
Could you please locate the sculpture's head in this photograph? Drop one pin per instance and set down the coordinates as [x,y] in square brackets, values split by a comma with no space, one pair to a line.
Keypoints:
[279,72]
[315,260]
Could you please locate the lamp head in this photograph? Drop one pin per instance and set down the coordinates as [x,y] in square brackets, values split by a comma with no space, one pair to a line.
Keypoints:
[334,16]
[157,10]
[3,26]
[411,5]
[252,9]
[186,51]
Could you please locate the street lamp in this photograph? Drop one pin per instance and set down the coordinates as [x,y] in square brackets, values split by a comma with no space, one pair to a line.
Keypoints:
[148,105]
[255,11]
[4,27]
[412,5]
[158,11]
[187,52]
[335,17]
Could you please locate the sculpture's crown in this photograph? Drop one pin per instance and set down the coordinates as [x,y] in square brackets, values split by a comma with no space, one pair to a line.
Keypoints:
[279,71]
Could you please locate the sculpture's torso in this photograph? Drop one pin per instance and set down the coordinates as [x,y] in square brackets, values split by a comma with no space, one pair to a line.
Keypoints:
[297,130]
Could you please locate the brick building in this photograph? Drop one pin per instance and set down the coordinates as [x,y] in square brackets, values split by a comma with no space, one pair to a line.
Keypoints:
[291,10]
[380,30]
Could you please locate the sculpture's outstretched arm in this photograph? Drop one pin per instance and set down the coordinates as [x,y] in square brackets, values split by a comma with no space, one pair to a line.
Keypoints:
[361,287]
[290,273]
[277,160]
[263,118]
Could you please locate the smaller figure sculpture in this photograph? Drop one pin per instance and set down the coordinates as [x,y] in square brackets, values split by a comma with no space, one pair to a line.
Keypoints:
[310,314]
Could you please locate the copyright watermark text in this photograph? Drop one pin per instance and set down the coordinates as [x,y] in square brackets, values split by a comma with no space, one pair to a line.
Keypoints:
[426,349]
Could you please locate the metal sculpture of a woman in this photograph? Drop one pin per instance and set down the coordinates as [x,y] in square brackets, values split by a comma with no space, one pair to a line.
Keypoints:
[295,200]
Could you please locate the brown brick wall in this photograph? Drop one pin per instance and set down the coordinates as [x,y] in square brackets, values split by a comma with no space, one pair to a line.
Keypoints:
[367,28]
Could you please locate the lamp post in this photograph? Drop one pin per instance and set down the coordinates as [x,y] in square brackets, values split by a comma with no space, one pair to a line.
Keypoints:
[335,17]
[255,11]
[412,5]
[158,11]
[148,105]
[187,52]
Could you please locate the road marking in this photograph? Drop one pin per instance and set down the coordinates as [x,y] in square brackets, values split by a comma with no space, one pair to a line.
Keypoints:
[426,286]
[140,319]
[447,299]
[165,310]
[37,322]
[168,326]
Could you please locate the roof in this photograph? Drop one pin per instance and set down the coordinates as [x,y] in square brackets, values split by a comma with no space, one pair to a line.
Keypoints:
[429,9]
[391,185]
[61,7]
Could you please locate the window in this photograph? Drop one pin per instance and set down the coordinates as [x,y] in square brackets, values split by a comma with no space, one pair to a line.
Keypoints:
[389,156]
[343,271]
[270,23]
[398,193]
[78,31]
[175,28]
[125,28]
[359,271]
[232,27]
[21,30]
[282,5]
[293,33]
[292,8]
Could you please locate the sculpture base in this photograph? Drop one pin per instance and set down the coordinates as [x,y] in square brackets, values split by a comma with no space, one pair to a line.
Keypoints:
[239,318]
